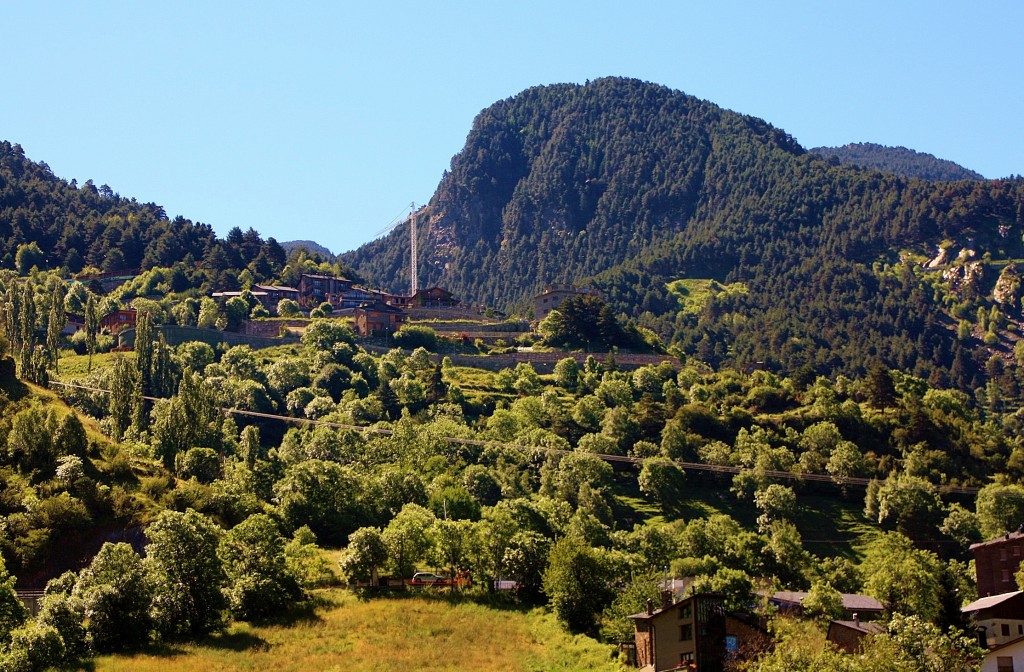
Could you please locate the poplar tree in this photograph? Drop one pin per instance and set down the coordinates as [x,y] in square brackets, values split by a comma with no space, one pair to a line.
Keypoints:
[55,324]
[92,327]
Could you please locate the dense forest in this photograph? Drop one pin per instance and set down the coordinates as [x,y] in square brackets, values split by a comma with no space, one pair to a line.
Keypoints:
[640,190]
[898,160]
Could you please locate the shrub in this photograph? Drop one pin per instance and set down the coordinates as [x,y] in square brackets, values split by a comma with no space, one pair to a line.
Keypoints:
[416,336]
[202,464]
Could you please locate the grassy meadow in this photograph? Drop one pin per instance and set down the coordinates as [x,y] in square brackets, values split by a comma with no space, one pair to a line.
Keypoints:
[425,631]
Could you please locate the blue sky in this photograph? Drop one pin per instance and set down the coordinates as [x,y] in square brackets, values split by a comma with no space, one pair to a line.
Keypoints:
[324,120]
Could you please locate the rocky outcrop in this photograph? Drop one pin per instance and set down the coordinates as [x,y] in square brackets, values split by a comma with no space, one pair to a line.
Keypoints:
[1008,287]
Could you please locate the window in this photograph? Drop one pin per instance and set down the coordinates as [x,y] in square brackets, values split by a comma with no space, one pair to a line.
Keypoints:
[1020,629]
[1004,663]
[1005,629]
[685,632]
[685,612]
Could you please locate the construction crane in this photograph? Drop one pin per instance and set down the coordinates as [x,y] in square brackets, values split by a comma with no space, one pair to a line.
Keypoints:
[414,257]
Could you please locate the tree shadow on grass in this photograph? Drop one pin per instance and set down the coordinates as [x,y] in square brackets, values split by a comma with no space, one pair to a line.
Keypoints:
[304,612]
[236,641]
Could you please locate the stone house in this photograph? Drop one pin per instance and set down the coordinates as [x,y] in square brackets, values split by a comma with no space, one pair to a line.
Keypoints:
[554,295]
[996,561]
[849,635]
[695,633]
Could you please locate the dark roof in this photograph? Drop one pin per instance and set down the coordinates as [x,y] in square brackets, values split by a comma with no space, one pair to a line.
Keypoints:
[1009,536]
[990,601]
[279,288]
[325,277]
[851,601]
[379,307]
[866,627]
[643,615]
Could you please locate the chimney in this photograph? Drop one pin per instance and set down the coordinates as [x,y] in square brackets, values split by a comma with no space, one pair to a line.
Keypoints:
[650,606]
[856,619]
[666,599]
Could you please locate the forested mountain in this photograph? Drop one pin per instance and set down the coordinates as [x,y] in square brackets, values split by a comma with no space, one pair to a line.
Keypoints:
[310,246]
[646,189]
[84,225]
[898,160]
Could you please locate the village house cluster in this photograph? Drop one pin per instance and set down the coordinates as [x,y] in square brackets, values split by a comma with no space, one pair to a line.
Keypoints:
[372,311]
[698,633]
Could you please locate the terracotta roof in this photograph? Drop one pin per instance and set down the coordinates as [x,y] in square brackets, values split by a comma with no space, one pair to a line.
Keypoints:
[990,601]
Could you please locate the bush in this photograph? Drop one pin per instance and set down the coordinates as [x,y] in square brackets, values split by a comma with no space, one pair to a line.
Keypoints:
[415,336]
[288,308]
[202,464]
[34,646]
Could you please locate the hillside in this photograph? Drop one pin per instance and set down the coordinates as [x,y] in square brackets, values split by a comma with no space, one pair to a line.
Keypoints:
[899,161]
[310,246]
[637,186]
[55,222]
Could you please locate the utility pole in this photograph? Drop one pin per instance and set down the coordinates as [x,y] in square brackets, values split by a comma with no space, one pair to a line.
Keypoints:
[414,266]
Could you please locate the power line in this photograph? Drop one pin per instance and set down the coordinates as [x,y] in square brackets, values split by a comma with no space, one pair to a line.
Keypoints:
[692,466]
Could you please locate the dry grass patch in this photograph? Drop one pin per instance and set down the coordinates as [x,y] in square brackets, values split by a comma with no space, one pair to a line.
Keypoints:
[420,632]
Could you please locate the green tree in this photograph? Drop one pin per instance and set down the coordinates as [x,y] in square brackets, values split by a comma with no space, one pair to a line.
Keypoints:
[580,582]
[910,504]
[1000,508]
[28,256]
[92,326]
[662,480]
[195,356]
[144,351]
[186,574]
[191,418]
[258,581]
[366,553]
[34,647]
[208,313]
[323,335]
[879,386]
[735,585]
[202,464]
[776,502]
[525,559]
[823,602]
[116,596]
[235,311]
[324,495]
[567,374]
[288,308]
[903,578]
[55,323]
[12,611]
[407,537]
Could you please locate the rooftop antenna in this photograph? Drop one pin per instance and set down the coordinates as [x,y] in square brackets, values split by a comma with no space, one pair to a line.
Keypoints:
[414,279]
